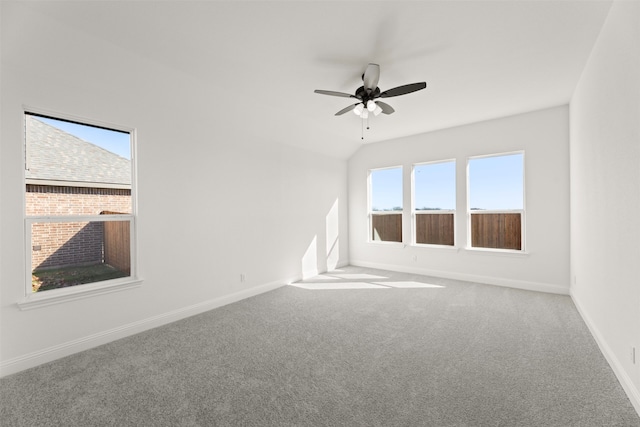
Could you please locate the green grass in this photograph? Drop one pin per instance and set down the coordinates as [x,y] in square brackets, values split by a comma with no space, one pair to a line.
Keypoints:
[44,280]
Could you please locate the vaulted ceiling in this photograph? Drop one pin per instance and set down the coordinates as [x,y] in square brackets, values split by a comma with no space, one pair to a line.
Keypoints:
[263,60]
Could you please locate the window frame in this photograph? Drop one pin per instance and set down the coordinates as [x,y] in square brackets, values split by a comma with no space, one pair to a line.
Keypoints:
[522,211]
[414,212]
[32,299]
[370,211]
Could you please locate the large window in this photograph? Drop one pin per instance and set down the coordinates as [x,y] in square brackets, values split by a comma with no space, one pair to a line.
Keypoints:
[385,208]
[496,201]
[434,203]
[79,209]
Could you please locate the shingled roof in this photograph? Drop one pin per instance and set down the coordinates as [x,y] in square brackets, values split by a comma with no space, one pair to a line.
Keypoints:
[54,155]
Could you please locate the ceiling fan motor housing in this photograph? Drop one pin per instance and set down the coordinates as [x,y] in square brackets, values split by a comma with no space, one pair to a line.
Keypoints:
[365,95]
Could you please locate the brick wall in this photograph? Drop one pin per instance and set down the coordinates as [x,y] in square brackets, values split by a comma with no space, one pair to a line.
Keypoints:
[52,200]
[71,243]
[67,243]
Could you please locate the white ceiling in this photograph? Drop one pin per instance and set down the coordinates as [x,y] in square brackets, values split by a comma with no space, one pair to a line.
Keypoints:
[480,59]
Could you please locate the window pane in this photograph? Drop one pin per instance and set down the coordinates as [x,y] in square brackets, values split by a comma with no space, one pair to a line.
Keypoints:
[72,170]
[72,253]
[386,189]
[435,186]
[496,183]
[75,169]
[386,199]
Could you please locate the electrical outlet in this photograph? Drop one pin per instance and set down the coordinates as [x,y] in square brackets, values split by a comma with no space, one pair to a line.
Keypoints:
[414,258]
[633,355]
[243,277]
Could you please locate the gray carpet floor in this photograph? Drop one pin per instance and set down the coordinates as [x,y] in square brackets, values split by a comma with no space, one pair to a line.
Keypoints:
[355,347]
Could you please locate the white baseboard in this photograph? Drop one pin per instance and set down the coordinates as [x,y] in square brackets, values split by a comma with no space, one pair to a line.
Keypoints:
[39,357]
[489,280]
[627,384]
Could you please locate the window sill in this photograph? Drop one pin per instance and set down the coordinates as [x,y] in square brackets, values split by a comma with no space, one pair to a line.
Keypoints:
[390,244]
[437,247]
[501,252]
[59,296]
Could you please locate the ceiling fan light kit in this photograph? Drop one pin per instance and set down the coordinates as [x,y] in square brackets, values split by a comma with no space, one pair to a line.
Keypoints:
[369,93]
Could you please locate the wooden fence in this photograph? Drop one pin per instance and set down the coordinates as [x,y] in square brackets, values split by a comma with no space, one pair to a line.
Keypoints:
[496,230]
[435,229]
[386,227]
[488,230]
[117,244]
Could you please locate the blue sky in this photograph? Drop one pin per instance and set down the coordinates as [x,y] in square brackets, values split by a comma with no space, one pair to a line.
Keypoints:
[386,189]
[435,185]
[114,141]
[494,183]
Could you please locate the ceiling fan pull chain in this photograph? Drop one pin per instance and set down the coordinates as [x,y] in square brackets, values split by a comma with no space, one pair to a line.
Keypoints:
[367,122]
[361,129]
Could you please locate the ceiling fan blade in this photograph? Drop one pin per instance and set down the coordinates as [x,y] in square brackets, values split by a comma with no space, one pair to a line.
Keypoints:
[386,108]
[333,93]
[345,110]
[403,90]
[371,76]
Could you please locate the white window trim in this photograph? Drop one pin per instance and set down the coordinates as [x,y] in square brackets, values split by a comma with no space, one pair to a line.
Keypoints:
[72,293]
[371,212]
[523,250]
[495,251]
[415,212]
[33,300]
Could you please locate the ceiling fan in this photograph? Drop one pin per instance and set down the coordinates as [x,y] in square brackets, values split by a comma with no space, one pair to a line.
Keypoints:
[369,93]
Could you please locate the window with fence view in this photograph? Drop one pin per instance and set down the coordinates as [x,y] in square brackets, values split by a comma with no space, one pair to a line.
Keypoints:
[78,204]
[496,201]
[434,201]
[385,210]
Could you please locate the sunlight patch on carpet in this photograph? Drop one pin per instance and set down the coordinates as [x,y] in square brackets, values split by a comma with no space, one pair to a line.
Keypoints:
[408,284]
[338,285]
[358,276]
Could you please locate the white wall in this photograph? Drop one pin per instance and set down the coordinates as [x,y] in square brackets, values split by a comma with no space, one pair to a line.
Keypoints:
[605,192]
[213,202]
[544,136]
